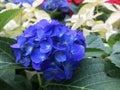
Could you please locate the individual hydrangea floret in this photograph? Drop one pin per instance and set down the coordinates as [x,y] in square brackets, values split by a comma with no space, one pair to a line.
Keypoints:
[60,5]
[52,48]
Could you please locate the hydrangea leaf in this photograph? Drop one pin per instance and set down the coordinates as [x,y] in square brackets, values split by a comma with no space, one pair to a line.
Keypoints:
[94,41]
[89,76]
[111,69]
[4,76]
[19,83]
[7,60]
[113,39]
[116,47]
[115,58]
[90,52]
[4,86]
[6,16]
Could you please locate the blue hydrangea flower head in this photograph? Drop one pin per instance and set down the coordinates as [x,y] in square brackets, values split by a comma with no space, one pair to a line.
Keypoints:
[50,5]
[50,47]
[23,1]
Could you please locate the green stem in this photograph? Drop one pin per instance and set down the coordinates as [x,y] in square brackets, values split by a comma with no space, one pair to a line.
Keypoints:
[39,79]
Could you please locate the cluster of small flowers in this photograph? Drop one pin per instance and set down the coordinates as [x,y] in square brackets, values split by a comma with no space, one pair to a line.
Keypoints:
[52,48]
[23,1]
[50,5]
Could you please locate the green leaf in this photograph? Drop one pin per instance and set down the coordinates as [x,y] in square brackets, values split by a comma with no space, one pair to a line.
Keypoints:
[57,15]
[94,52]
[89,76]
[115,58]
[5,74]
[113,39]
[116,48]
[94,41]
[4,86]
[111,69]
[7,59]
[6,16]
[105,15]
[20,83]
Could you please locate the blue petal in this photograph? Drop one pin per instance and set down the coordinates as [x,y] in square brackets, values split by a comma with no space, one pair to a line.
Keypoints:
[49,29]
[45,47]
[40,33]
[17,53]
[69,66]
[48,63]
[21,39]
[68,73]
[50,5]
[59,43]
[28,47]
[37,57]
[23,1]
[60,56]
[28,50]
[80,39]
[58,30]
[78,51]
[30,31]
[25,61]
[17,45]
[42,24]
[36,66]
[20,42]
[54,74]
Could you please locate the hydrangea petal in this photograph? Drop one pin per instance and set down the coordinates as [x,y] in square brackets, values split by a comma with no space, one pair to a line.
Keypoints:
[25,61]
[36,66]
[23,1]
[45,47]
[78,51]
[30,31]
[37,57]
[54,74]
[60,56]
[28,50]
[17,54]
[20,42]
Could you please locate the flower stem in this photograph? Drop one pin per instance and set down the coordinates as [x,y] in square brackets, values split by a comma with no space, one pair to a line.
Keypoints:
[39,79]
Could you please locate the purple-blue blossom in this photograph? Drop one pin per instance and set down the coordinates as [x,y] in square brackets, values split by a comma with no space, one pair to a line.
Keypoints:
[23,1]
[60,5]
[51,48]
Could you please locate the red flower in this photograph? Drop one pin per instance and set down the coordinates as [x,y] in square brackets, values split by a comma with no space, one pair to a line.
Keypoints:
[77,2]
[70,1]
[114,1]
